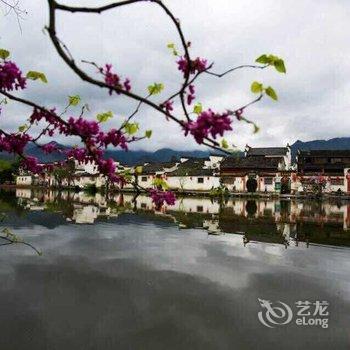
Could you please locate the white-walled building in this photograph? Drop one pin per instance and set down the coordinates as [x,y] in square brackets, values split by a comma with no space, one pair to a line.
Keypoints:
[195,174]
[24,180]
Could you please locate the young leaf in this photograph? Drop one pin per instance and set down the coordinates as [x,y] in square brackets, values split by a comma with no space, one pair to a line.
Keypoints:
[198,108]
[155,89]
[271,92]
[148,133]
[138,169]
[256,87]
[4,54]
[74,100]
[172,47]
[33,75]
[279,65]
[256,129]
[160,183]
[103,117]
[23,128]
[131,128]
[224,144]
[263,59]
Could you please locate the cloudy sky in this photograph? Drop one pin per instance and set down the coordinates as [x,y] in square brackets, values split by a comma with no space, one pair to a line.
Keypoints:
[312,36]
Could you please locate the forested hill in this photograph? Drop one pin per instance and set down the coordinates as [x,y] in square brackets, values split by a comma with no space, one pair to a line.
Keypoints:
[167,154]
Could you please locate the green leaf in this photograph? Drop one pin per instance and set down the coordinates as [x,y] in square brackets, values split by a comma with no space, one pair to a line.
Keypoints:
[271,93]
[103,117]
[172,47]
[256,129]
[33,75]
[23,128]
[256,87]
[279,65]
[138,169]
[158,182]
[131,128]
[262,59]
[155,89]
[74,100]
[272,60]
[4,54]
[198,108]
[224,144]
[148,133]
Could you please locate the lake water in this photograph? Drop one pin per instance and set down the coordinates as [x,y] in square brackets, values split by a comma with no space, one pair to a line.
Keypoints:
[117,274]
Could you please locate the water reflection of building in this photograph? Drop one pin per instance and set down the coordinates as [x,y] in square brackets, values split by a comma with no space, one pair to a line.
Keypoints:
[277,221]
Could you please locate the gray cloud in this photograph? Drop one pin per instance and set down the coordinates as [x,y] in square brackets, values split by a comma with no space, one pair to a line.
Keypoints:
[313,40]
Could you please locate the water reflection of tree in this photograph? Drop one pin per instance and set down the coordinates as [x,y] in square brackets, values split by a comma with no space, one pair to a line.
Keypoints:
[58,204]
[251,208]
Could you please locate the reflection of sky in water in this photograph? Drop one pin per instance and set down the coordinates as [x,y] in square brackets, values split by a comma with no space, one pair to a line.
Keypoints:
[141,283]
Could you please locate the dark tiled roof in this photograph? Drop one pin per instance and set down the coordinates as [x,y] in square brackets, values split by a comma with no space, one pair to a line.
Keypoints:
[253,162]
[324,153]
[267,151]
[192,167]
[153,168]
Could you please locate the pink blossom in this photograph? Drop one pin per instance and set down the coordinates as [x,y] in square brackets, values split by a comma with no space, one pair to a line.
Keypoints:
[113,79]
[168,106]
[191,94]
[32,165]
[196,66]
[49,147]
[11,77]
[160,197]
[208,123]
[13,143]
[83,127]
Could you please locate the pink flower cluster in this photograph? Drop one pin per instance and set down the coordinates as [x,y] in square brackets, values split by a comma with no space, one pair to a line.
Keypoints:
[13,143]
[161,197]
[197,65]
[168,106]
[83,127]
[208,123]
[113,137]
[32,165]
[11,77]
[113,79]
[191,94]
[49,147]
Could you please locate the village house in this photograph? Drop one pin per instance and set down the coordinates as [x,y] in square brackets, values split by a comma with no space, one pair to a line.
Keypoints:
[260,170]
[195,174]
[330,166]
[151,171]
[24,180]
[272,152]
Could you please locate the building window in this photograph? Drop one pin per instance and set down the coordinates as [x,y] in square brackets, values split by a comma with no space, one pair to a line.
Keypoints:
[200,180]
[336,160]
[268,180]
[144,178]
[199,208]
[337,181]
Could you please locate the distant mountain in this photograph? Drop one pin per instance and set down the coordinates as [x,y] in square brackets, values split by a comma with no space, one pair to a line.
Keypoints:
[129,157]
[167,154]
[161,155]
[339,143]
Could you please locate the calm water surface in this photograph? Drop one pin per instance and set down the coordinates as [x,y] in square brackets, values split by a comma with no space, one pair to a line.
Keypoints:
[116,274]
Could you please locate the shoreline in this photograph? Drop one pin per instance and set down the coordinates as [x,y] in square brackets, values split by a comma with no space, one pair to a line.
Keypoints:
[268,195]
